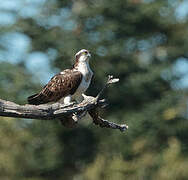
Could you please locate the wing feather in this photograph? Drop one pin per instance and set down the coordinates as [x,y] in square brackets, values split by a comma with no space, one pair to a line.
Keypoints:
[59,86]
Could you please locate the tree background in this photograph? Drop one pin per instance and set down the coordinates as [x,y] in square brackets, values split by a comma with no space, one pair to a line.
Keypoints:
[143,42]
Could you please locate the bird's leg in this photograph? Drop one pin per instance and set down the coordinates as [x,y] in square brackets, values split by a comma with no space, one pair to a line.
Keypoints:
[67,99]
[65,102]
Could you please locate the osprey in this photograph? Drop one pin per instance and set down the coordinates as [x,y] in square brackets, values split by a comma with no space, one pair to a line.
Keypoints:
[68,84]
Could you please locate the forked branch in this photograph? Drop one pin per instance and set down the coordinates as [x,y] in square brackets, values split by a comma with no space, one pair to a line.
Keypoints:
[68,114]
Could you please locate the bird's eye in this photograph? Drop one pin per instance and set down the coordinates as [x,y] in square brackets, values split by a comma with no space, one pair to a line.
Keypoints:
[85,52]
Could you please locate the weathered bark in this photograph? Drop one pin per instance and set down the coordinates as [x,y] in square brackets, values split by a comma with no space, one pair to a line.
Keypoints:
[68,114]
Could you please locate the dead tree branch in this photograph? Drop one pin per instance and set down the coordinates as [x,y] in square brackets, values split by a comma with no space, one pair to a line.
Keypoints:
[68,114]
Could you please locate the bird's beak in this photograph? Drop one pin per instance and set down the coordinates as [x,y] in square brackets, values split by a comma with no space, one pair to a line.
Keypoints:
[89,55]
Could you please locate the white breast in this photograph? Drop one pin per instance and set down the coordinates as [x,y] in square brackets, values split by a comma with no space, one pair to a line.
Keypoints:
[84,85]
[86,78]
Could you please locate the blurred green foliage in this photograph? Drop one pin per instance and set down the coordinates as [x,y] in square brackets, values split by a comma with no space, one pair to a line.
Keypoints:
[139,41]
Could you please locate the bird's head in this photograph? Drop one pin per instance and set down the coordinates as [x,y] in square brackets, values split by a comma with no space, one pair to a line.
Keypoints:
[82,56]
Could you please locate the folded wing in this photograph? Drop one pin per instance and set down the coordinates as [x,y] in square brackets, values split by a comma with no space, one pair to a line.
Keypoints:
[61,85]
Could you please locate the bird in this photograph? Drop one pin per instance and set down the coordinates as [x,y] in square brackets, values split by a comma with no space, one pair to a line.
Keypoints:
[68,85]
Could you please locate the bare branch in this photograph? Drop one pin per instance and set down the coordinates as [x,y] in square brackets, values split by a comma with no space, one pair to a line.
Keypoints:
[45,112]
[69,115]
[110,80]
[97,120]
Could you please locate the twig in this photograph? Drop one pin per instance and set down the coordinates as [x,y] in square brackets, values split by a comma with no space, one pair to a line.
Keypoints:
[110,80]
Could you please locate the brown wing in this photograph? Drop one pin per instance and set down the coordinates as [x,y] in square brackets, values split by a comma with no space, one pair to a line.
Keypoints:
[59,86]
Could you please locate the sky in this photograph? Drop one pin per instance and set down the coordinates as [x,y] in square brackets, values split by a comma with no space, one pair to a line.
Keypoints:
[17,44]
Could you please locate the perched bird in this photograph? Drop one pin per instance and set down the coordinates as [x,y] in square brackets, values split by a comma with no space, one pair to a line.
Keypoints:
[69,84]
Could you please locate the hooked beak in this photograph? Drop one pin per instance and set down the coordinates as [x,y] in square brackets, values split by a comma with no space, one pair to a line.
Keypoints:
[89,55]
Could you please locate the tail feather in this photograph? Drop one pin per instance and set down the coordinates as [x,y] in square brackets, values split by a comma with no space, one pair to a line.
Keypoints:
[37,99]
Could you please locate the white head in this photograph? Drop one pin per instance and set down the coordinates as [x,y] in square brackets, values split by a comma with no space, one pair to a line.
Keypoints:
[82,56]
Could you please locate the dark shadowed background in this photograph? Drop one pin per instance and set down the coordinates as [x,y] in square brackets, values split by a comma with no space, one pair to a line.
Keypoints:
[143,42]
